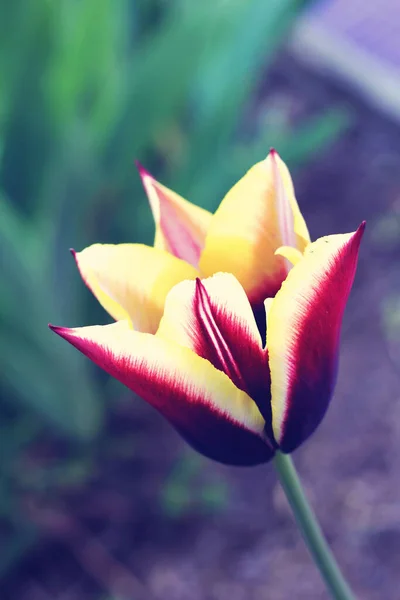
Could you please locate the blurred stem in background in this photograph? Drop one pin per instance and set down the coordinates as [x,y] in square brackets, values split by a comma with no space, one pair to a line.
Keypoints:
[86,87]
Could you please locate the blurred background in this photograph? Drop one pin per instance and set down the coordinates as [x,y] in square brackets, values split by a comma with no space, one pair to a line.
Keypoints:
[99,497]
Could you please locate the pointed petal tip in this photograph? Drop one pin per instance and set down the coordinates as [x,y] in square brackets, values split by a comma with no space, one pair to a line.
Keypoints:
[361,228]
[74,254]
[273,155]
[358,234]
[62,331]
[142,171]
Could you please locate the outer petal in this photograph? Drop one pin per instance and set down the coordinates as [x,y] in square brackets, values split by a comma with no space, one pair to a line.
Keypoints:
[257,216]
[219,420]
[303,331]
[214,318]
[181,226]
[131,281]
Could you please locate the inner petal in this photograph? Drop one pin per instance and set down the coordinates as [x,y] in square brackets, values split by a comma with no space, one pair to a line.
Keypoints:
[214,318]
[181,226]
[284,210]
[212,342]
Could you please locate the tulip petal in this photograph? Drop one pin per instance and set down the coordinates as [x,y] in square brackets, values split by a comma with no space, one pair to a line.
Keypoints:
[303,331]
[291,254]
[181,226]
[213,317]
[257,216]
[214,416]
[286,198]
[131,281]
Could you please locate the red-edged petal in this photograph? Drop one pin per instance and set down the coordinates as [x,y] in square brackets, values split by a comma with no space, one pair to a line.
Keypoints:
[181,226]
[211,413]
[214,318]
[303,331]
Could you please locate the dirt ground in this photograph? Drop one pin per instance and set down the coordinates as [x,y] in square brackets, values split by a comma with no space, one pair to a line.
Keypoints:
[112,540]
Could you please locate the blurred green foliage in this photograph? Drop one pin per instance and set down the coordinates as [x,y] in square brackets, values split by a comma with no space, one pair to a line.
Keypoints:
[184,489]
[86,86]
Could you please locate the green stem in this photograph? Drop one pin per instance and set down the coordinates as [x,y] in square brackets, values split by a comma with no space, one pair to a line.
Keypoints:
[310,529]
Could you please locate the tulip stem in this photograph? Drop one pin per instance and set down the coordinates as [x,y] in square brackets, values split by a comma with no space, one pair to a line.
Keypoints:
[310,529]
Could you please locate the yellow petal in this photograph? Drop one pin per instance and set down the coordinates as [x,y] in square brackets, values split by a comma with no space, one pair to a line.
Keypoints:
[213,415]
[291,254]
[131,281]
[257,216]
[181,226]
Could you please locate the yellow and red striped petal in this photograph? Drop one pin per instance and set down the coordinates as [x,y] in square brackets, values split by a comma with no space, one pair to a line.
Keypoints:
[257,216]
[181,226]
[202,403]
[213,317]
[131,281]
[303,331]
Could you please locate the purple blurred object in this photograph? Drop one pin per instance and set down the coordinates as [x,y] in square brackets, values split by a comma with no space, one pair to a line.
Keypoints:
[358,41]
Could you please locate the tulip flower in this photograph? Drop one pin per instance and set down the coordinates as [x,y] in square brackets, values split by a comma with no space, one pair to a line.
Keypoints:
[229,325]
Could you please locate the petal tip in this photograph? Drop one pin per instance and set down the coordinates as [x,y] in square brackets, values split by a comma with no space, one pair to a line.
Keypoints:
[144,173]
[74,254]
[273,155]
[358,234]
[362,227]
[64,332]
